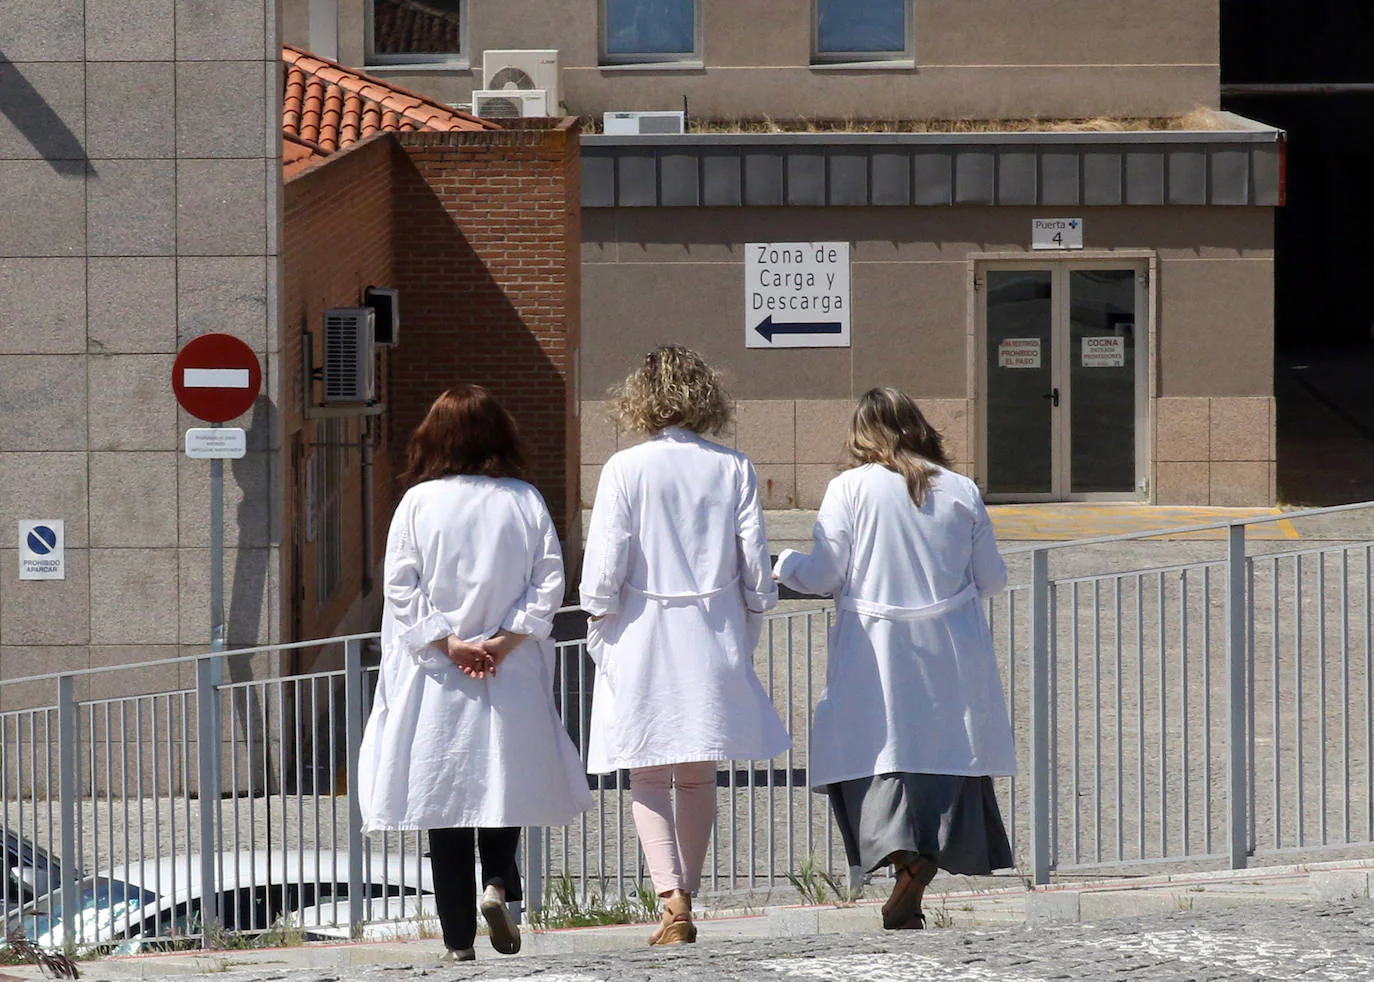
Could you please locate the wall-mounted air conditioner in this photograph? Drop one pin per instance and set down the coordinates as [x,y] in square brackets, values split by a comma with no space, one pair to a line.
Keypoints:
[509,103]
[348,354]
[386,305]
[644,123]
[524,70]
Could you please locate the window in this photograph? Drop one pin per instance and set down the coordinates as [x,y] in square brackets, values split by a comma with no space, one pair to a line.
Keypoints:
[416,31]
[862,30]
[646,31]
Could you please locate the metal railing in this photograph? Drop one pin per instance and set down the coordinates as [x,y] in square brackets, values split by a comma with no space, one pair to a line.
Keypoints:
[1212,709]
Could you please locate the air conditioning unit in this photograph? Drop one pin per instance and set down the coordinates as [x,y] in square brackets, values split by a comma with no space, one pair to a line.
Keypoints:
[525,70]
[348,341]
[509,103]
[386,305]
[644,123]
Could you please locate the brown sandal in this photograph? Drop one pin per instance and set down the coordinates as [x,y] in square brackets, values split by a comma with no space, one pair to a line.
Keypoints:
[902,912]
[676,926]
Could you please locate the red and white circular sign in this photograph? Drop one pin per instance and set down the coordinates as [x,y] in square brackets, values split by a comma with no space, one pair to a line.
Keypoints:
[216,377]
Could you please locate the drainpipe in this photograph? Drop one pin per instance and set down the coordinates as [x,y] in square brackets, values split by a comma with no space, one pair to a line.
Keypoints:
[369,517]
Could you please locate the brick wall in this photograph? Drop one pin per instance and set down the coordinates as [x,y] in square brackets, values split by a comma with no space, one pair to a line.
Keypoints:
[480,233]
[487,258]
[337,241]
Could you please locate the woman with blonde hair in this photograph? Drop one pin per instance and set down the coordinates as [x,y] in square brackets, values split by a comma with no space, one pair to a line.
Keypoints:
[675,578]
[913,721]
[464,739]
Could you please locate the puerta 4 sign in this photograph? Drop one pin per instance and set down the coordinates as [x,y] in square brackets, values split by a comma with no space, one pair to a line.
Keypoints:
[216,377]
[796,295]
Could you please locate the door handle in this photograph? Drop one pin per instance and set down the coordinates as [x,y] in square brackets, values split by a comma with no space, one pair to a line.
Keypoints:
[1053,395]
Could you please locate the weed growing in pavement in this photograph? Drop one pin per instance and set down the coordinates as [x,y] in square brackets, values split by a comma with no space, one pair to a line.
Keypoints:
[427,926]
[19,950]
[813,883]
[940,916]
[564,908]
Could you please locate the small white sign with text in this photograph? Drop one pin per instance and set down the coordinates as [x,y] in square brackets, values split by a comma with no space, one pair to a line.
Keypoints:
[1056,233]
[216,442]
[1018,353]
[1104,351]
[42,549]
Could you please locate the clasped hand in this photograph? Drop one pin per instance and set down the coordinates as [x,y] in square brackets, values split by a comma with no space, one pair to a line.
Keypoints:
[479,660]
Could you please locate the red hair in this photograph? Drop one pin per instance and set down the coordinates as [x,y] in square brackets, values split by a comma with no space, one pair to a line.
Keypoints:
[466,431]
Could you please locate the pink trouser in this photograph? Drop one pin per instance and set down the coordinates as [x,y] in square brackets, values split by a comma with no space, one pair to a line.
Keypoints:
[674,849]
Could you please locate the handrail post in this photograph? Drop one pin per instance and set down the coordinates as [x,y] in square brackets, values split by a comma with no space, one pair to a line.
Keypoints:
[353,717]
[1237,706]
[68,740]
[1040,717]
[207,770]
[534,870]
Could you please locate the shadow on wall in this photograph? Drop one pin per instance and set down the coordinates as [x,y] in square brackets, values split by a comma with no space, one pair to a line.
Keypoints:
[462,326]
[29,113]
[245,591]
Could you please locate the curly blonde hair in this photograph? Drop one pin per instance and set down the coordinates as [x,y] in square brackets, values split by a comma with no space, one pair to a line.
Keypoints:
[674,387]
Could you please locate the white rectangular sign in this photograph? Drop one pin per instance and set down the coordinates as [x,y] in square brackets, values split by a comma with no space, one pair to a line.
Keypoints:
[1056,233]
[1104,351]
[41,550]
[216,442]
[215,378]
[1019,353]
[796,295]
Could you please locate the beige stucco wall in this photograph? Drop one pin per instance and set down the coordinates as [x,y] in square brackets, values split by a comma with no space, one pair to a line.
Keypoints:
[983,59]
[652,276]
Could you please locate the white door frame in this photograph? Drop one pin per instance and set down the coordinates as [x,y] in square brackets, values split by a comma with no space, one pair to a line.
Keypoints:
[1060,265]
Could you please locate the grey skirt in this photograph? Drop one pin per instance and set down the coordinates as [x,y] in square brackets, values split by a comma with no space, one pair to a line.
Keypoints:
[951,819]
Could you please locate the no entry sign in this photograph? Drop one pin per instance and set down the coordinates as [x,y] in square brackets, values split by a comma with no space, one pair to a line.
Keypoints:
[216,377]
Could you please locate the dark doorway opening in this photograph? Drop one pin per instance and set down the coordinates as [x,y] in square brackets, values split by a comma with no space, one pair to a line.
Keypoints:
[1309,69]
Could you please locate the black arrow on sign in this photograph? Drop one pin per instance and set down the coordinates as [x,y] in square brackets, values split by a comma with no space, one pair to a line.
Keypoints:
[768,328]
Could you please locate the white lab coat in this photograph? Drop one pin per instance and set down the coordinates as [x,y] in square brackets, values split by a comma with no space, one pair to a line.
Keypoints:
[676,555]
[912,682]
[469,556]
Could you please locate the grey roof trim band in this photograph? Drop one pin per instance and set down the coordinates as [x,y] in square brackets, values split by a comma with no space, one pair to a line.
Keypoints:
[688,141]
[904,169]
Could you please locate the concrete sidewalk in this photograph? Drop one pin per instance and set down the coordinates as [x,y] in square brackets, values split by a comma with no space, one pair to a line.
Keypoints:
[1206,893]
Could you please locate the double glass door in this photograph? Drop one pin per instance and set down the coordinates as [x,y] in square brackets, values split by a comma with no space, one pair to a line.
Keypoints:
[1064,394]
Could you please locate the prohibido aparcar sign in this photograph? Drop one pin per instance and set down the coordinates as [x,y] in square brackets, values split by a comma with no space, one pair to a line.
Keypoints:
[796,295]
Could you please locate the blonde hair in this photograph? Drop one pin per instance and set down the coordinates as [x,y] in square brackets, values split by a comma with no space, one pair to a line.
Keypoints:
[674,387]
[890,430]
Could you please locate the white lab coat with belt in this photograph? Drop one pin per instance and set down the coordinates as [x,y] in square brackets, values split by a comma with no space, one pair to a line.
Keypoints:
[676,556]
[469,556]
[912,682]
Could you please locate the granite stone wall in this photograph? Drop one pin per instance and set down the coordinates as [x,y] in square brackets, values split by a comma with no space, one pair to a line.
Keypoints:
[139,187]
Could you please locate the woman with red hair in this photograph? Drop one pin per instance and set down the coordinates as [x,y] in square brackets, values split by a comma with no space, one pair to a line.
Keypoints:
[464,739]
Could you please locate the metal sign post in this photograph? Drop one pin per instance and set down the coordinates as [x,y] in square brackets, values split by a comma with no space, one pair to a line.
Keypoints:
[217,629]
[216,377]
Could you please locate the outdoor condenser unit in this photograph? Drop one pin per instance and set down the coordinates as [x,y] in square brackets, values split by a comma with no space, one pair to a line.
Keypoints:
[528,69]
[348,375]
[644,123]
[509,103]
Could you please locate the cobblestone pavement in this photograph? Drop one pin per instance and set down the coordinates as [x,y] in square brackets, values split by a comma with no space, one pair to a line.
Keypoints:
[1307,941]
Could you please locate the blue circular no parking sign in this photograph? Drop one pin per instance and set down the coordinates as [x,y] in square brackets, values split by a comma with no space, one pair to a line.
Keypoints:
[42,540]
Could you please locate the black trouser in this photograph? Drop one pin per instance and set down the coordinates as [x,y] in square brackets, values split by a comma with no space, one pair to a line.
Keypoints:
[455,882]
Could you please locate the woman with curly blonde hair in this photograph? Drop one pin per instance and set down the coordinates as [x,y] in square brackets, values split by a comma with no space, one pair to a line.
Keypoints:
[675,578]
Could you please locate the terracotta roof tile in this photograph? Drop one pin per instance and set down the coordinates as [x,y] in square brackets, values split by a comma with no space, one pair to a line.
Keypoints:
[327,107]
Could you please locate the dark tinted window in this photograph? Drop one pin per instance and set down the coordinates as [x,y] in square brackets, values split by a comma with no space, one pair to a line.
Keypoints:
[860,26]
[403,28]
[650,27]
